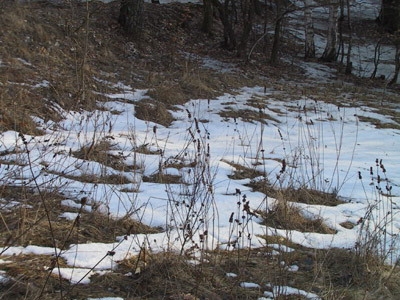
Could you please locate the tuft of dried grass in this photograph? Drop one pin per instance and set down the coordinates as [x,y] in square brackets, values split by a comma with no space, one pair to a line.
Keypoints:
[243,172]
[172,276]
[100,152]
[288,216]
[17,106]
[153,111]
[163,178]
[342,273]
[246,115]
[301,195]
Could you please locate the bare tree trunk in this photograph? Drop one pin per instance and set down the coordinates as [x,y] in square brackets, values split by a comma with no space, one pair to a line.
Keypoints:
[377,56]
[389,16]
[208,12]
[309,30]
[330,49]
[131,16]
[340,50]
[248,10]
[227,13]
[397,64]
[277,32]
[276,42]
[349,64]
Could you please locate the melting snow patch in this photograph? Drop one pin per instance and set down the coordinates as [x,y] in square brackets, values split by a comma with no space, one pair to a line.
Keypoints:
[77,275]
[31,249]
[106,298]
[3,278]
[128,95]
[293,268]
[287,290]
[249,285]
[69,215]
[280,247]
[44,83]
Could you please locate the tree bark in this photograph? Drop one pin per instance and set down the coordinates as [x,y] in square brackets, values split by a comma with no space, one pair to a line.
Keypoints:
[248,11]
[349,64]
[227,12]
[277,32]
[309,30]
[208,13]
[276,42]
[397,63]
[131,16]
[330,49]
[390,15]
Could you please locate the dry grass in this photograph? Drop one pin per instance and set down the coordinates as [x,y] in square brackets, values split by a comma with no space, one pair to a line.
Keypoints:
[153,111]
[354,277]
[287,216]
[31,278]
[243,172]
[114,179]
[301,195]
[171,275]
[379,124]
[163,178]
[246,115]
[333,274]
[26,222]
[100,152]
[17,105]
[69,52]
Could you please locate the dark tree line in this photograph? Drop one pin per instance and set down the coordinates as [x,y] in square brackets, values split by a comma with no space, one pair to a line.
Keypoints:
[238,18]
[389,15]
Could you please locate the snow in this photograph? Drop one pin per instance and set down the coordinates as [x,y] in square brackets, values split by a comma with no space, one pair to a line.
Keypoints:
[325,147]
[69,215]
[341,145]
[286,290]
[106,298]
[249,285]
[293,268]
[3,278]
[31,249]
[75,275]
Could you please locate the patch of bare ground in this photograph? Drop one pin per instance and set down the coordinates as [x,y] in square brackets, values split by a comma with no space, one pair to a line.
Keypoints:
[26,221]
[284,215]
[301,195]
[101,152]
[163,178]
[246,115]
[354,276]
[30,277]
[117,179]
[154,111]
[69,54]
[379,124]
[331,274]
[242,172]
[73,51]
